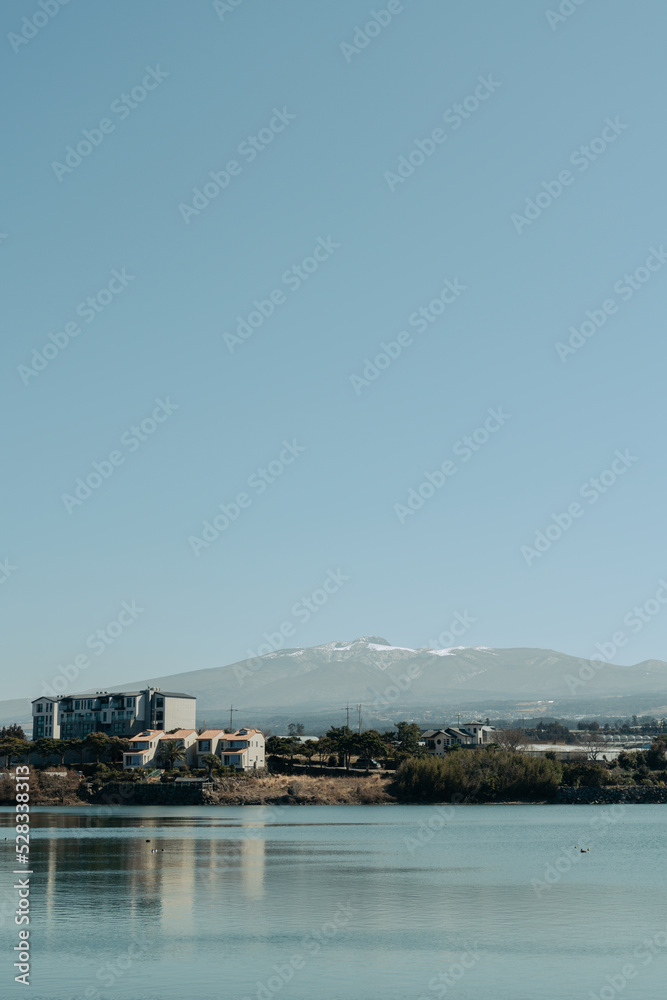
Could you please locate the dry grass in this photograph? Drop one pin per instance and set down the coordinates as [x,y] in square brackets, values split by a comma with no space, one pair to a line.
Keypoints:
[302,790]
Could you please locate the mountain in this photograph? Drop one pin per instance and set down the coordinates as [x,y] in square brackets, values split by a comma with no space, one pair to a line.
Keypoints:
[385,679]
[370,670]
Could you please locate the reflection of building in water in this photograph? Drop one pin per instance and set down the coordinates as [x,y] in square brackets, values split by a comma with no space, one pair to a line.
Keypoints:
[252,859]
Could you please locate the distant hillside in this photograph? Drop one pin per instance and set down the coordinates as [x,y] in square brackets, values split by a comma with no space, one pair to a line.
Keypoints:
[383,678]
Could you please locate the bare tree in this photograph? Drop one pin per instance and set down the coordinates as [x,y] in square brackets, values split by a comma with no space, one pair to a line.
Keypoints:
[510,739]
[592,744]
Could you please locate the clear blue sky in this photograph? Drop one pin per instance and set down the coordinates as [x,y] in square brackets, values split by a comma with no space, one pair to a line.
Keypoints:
[329,173]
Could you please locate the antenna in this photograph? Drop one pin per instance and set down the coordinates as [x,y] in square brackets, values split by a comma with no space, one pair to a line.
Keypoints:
[347,709]
[232,710]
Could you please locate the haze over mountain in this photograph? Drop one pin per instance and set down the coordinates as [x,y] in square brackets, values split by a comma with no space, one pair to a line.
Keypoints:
[385,679]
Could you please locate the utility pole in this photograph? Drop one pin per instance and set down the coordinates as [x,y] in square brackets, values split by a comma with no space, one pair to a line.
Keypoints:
[232,710]
[347,709]
[359,708]
[458,719]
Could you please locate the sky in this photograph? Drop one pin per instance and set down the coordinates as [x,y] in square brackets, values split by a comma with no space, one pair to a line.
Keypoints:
[216,218]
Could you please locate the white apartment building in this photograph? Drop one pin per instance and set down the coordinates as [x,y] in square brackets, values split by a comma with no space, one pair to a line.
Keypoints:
[117,713]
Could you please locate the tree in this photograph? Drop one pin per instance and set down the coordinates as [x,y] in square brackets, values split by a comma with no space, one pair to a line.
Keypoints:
[117,747]
[510,739]
[45,747]
[97,743]
[76,745]
[343,741]
[296,729]
[11,747]
[655,757]
[593,745]
[309,749]
[408,740]
[281,746]
[169,752]
[211,761]
[12,732]
[371,744]
[324,748]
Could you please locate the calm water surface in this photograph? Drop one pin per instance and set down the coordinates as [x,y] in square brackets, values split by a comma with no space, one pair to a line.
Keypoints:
[348,902]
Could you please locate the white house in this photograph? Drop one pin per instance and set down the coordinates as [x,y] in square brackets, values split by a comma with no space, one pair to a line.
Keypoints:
[144,750]
[208,742]
[471,734]
[243,749]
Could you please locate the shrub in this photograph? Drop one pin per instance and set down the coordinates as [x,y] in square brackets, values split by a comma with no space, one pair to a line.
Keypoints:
[477,776]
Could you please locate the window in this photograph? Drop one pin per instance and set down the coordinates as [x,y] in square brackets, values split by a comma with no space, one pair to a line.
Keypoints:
[77,704]
[39,707]
[159,702]
[89,704]
[129,702]
[204,746]
[118,727]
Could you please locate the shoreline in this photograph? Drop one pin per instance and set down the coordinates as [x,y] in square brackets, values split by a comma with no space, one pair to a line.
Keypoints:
[300,790]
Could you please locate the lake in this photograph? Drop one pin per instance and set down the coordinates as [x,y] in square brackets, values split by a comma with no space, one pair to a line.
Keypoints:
[342,903]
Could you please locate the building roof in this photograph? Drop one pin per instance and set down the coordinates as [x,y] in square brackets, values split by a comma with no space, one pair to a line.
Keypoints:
[210,734]
[174,694]
[241,734]
[180,734]
[147,734]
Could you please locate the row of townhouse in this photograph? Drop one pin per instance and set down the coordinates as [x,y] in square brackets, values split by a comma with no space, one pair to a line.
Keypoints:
[471,734]
[243,749]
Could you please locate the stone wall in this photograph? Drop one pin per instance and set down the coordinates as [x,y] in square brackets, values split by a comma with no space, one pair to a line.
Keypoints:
[612,794]
[149,794]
